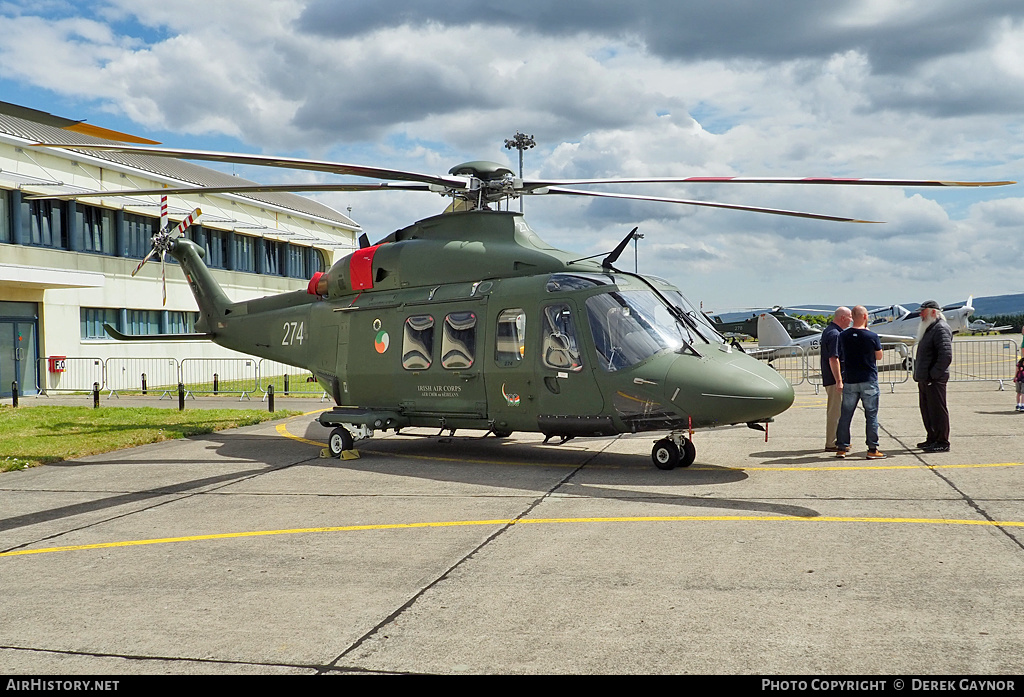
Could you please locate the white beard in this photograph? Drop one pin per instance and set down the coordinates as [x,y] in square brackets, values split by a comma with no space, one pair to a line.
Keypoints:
[923,327]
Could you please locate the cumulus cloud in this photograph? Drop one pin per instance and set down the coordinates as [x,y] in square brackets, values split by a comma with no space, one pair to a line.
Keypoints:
[738,87]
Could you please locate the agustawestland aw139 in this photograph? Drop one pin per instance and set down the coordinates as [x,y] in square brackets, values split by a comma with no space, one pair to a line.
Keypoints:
[469,320]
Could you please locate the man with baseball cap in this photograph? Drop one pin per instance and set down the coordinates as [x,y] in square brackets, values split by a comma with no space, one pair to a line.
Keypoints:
[931,372]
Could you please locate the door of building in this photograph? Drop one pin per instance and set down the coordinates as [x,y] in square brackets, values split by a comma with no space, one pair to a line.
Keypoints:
[19,347]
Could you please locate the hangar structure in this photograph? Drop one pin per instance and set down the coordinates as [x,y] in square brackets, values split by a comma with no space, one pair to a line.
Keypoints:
[65,266]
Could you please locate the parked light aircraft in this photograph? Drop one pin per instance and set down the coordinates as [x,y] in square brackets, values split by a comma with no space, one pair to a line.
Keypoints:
[897,321]
[980,325]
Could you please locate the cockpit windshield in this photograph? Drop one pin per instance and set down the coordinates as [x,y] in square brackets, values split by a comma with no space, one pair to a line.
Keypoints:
[701,324]
[631,326]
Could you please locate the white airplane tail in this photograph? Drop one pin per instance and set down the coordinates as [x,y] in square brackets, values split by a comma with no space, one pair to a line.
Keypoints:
[959,319]
[770,332]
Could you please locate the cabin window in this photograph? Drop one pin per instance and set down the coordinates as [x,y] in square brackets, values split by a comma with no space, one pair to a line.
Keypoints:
[418,342]
[458,342]
[510,340]
[560,348]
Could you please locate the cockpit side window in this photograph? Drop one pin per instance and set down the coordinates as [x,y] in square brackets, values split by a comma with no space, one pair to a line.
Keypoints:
[418,342]
[458,341]
[560,348]
[510,338]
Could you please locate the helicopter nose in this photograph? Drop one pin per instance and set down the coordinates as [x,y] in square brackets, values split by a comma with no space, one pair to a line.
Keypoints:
[728,389]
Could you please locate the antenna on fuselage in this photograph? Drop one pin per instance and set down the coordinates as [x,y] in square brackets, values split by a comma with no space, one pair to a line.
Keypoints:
[612,256]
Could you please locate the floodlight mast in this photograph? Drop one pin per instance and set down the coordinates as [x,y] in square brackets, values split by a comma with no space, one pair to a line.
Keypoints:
[520,142]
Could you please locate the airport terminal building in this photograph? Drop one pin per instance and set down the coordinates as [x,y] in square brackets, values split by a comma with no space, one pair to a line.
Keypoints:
[66,265]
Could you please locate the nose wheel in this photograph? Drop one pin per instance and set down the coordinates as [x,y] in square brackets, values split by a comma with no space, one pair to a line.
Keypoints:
[340,440]
[667,455]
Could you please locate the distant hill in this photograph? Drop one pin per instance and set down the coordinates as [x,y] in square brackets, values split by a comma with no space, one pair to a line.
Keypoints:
[983,307]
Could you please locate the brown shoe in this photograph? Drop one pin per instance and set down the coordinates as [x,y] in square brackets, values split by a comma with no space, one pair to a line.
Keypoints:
[876,455]
[841,452]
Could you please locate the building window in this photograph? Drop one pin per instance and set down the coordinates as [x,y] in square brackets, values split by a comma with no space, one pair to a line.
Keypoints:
[97,229]
[139,231]
[45,224]
[5,216]
[216,244]
[143,322]
[297,262]
[181,322]
[317,261]
[272,257]
[245,253]
[93,319]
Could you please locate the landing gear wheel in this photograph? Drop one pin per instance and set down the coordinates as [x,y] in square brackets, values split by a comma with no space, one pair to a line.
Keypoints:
[688,455]
[339,440]
[665,454]
[908,363]
[501,432]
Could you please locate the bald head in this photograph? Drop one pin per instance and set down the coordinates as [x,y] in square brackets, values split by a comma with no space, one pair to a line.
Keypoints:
[842,317]
[860,316]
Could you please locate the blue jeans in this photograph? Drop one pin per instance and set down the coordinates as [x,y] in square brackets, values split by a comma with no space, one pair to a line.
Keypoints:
[867,394]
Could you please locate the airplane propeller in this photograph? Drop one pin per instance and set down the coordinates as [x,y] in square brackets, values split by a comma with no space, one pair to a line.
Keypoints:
[476,183]
[163,241]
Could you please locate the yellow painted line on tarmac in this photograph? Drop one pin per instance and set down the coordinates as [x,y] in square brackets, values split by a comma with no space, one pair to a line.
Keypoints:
[527,521]
[875,467]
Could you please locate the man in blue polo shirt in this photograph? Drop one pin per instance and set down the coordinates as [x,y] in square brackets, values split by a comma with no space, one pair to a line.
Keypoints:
[861,350]
[831,373]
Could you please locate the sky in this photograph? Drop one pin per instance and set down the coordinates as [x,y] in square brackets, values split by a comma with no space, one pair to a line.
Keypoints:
[847,88]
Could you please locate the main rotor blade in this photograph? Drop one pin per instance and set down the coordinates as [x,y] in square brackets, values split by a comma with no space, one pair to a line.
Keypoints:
[709,204]
[254,189]
[542,183]
[271,161]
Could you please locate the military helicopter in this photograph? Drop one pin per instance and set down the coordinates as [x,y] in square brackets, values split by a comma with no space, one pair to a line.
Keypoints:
[469,320]
[794,326]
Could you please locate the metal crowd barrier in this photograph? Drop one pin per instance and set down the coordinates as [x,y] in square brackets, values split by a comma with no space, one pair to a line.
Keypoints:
[219,376]
[286,379]
[973,361]
[791,362]
[797,364]
[70,374]
[143,375]
[984,360]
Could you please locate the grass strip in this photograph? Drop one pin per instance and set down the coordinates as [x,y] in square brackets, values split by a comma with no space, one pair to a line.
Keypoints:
[31,436]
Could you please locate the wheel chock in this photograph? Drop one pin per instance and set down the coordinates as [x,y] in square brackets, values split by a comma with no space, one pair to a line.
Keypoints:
[350,454]
[325,452]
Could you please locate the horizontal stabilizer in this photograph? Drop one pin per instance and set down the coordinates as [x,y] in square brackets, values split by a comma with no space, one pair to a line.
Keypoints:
[114,334]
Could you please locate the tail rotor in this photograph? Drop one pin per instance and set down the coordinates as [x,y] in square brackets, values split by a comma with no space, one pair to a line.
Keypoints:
[163,241]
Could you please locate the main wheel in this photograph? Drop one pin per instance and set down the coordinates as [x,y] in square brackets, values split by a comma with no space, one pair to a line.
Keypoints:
[908,363]
[665,454]
[688,455]
[501,432]
[340,440]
